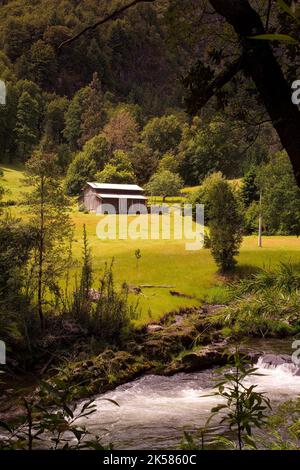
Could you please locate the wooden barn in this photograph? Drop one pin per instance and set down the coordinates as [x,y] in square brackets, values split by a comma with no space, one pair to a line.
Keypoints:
[105,198]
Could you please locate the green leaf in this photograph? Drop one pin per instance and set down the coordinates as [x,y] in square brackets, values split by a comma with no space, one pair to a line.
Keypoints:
[5,426]
[111,401]
[275,37]
[287,8]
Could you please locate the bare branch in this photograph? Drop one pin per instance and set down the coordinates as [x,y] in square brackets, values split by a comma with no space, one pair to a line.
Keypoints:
[111,16]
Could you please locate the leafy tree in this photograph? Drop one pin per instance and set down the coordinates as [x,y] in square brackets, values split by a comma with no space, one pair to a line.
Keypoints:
[280,196]
[49,220]
[225,220]
[55,123]
[112,175]
[216,147]
[162,135]
[17,241]
[118,170]
[121,131]
[169,162]
[64,157]
[164,183]
[27,125]
[81,170]
[97,149]
[144,162]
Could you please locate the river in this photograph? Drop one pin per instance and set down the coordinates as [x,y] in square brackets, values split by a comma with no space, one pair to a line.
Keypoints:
[154,410]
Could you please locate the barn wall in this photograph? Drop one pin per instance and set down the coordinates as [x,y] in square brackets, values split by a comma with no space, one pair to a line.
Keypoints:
[90,200]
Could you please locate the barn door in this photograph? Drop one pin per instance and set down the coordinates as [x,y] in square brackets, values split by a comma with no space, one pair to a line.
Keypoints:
[122,206]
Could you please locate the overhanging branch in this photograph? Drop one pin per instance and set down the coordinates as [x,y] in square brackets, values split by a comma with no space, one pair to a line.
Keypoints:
[111,16]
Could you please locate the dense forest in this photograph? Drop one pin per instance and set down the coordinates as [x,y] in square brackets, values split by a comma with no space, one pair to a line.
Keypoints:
[130,74]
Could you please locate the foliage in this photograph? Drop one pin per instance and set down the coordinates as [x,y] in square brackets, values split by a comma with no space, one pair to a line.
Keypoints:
[162,135]
[47,207]
[249,189]
[280,196]
[119,170]
[52,428]
[27,125]
[144,162]
[244,407]
[93,114]
[81,303]
[164,183]
[81,170]
[39,64]
[54,123]
[264,305]
[215,146]
[225,220]
[169,162]
[283,428]
[73,118]
[112,316]
[97,149]
[121,131]
[17,242]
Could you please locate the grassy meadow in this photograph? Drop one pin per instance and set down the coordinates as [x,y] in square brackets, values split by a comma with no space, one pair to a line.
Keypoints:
[163,262]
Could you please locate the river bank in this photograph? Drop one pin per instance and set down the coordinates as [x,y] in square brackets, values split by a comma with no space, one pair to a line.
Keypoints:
[180,342]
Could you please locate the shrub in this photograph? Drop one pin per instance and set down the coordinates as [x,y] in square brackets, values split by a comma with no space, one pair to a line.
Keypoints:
[225,220]
[112,317]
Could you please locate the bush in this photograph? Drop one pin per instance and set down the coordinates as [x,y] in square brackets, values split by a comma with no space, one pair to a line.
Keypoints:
[112,318]
[81,170]
[225,220]
[267,304]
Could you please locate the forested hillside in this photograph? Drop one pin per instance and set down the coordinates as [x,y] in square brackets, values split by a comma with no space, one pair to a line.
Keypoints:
[124,85]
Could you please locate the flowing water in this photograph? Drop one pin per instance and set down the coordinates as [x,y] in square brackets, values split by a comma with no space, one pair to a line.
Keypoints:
[154,410]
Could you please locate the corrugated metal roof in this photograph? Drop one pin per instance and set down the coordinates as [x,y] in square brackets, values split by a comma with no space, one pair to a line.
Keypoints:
[121,196]
[125,187]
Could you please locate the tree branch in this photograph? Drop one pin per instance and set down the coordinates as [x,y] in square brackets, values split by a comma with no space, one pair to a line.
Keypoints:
[111,16]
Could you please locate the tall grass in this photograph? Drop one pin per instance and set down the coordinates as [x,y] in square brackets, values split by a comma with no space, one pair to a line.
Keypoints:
[266,304]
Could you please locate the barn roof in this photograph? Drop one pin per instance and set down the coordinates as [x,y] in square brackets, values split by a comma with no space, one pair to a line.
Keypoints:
[121,196]
[125,187]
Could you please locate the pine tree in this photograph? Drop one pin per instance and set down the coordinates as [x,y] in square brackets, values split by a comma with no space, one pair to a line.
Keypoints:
[225,220]
[93,116]
[249,189]
[27,125]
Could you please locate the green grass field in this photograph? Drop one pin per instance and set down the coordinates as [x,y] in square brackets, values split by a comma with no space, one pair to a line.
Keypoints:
[12,182]
[165,262]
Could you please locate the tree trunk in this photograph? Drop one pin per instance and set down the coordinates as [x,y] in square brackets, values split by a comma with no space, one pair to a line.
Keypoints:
[41,257]
[260,63]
